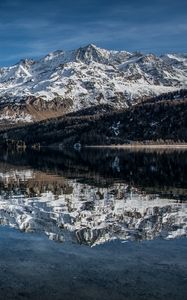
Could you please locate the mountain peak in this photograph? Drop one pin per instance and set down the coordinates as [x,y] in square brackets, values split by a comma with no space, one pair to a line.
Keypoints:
[91,52]
[91,75]
[91,46]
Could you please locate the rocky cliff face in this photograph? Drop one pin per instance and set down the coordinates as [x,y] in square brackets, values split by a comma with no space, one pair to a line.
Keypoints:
[72,80]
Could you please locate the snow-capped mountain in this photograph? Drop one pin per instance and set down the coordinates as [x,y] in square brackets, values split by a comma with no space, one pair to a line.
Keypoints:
[67,210]
[65,81]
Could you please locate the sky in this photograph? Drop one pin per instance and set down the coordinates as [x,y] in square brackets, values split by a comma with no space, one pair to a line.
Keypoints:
[31,29]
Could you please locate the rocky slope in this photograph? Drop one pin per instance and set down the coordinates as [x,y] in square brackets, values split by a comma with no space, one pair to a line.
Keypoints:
[66,81]
[157,120]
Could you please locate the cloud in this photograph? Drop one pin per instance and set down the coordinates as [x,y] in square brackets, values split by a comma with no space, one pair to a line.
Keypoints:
[43,26]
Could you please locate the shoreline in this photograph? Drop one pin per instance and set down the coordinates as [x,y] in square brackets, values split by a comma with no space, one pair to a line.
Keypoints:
[134,146]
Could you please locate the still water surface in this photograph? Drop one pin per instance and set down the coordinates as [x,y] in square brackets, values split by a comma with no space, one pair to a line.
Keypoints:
[93,224]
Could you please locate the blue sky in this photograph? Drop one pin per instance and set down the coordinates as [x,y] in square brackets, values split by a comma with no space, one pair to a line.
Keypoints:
[34,28]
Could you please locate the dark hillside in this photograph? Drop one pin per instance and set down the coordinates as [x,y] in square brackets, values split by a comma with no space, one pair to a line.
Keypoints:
[158,121]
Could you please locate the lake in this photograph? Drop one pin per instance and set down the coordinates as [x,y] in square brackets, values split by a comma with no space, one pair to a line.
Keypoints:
[93,224]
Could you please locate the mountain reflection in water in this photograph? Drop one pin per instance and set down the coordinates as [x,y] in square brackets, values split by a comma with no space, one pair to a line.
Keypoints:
[93,196]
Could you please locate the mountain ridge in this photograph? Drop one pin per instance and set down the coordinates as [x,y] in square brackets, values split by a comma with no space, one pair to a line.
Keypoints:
[86,77]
